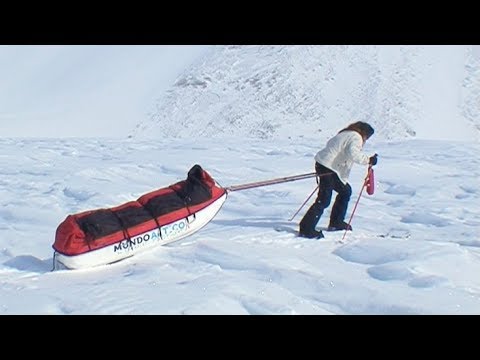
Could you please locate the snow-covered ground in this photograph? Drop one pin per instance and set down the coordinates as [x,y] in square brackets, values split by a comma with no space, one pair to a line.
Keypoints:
[414,249]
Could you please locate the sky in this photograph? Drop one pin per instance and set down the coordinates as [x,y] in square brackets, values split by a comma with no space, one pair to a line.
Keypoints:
[81,90]
[414,248]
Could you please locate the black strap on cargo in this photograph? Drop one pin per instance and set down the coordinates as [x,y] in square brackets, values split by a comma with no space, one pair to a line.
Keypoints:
[147,209]
[124,228]
[184,199]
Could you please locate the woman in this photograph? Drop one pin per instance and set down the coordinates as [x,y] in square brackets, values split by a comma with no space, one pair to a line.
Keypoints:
[333,165]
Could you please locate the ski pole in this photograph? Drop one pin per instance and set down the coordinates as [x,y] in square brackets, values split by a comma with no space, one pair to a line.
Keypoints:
[313,192]
[355,207]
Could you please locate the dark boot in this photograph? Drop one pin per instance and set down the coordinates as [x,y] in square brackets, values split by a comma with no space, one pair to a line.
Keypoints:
[312,235]
[339,226]
[310,220]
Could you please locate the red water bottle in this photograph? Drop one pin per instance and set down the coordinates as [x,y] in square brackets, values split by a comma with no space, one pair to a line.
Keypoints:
[370,181]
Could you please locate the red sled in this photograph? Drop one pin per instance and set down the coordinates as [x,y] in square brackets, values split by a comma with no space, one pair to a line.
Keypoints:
[104,236]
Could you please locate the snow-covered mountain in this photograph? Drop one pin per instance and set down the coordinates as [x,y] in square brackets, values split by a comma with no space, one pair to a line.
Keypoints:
[471,87]
[283,91]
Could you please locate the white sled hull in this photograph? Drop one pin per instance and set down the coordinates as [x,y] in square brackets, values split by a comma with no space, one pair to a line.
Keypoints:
[143,242]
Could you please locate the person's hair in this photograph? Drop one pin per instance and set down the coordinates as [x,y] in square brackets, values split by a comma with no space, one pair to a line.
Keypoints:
[361,127]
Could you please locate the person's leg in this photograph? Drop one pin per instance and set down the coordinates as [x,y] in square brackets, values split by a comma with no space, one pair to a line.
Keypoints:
[339,209]
[324,197]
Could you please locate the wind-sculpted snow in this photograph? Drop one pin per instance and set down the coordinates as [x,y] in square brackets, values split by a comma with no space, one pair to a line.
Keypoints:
[414,248]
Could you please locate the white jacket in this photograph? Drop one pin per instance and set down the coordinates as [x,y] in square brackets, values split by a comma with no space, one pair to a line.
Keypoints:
[341,152]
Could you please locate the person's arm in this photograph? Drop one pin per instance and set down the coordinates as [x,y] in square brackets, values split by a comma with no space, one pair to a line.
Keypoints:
[354,150]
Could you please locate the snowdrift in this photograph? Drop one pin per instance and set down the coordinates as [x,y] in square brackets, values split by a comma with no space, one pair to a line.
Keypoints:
[104,236]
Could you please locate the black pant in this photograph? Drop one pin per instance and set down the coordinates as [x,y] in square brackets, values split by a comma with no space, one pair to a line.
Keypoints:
[329,181]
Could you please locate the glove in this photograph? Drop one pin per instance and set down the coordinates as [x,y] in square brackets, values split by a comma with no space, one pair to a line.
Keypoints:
[373,160]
